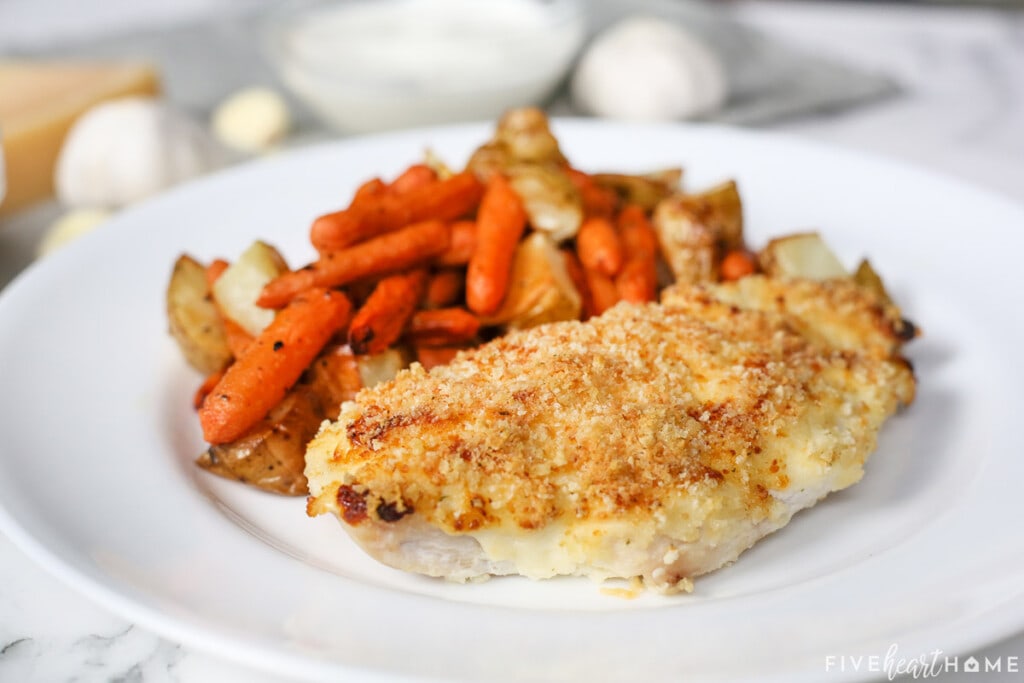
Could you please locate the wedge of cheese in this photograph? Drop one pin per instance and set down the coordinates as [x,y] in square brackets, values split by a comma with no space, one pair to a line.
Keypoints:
[38,104]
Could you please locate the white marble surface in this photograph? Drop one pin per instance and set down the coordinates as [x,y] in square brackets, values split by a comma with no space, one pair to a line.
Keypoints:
[962,113]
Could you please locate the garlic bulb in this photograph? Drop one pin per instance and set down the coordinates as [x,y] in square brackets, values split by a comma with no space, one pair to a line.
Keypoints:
[128,149]
[649,69]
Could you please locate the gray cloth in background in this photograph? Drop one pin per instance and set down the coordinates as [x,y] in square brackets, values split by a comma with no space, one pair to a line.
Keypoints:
[203,62]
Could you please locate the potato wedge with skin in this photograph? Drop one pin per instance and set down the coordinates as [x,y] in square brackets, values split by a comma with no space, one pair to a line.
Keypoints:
[522,136]
[802,255]
[696,230]
[527,136]
[489,158]
[540,289]
[868,278]
[238,287]
[688,245]
[195,324]
[644,190]
[551,201]
[271,456]
[720,208]
[334,376]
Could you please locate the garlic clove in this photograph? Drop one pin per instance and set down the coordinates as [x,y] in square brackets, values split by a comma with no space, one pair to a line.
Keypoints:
[126,150]
[70,227]
[252,120]
[649,69]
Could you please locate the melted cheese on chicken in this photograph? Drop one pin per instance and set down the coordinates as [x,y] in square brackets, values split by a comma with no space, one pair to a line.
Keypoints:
[657,441]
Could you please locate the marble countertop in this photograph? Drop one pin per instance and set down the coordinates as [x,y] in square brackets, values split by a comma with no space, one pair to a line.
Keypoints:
[961,113]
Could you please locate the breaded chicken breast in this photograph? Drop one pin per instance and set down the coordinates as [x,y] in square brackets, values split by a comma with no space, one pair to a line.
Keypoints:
[656,441]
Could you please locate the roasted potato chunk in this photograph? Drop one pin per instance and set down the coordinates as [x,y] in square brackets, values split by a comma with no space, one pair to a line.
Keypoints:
[696,230]
[194,321]
[550,199]
[526,134]
[868,278]
[688,244]
[271,456]
[643,190]
[540,289]
[238,287]
[803,255]
[381,367]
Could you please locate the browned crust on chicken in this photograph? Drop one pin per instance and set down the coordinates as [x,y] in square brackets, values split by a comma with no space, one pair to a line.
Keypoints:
[721,407]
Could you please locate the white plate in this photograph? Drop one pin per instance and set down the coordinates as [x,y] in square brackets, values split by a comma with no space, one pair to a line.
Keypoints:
[97,439]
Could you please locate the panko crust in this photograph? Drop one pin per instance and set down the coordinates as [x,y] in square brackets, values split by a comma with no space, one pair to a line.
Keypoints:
[716,405]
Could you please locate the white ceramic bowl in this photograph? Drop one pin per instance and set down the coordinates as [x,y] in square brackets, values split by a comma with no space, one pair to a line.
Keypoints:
[370,65]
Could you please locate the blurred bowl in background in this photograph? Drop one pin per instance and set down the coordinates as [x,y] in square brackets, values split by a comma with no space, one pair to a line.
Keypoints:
[370,65]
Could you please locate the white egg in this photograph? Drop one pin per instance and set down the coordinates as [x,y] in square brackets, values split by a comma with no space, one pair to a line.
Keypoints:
[125,150]
[649,69]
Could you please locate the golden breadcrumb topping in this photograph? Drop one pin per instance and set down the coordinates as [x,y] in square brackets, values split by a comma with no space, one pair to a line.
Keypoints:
[700,409]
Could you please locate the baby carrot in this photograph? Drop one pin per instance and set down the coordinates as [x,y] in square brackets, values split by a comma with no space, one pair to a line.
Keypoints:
[379,323]
[238,338]
[501,221]
[411,246]
[215,270]
[205,388]
[597,200]
[442,327]
[737,264]
[598,246]
[462,245]
[414,177]
[579,280]
[430,357]
[260,378]
[444,288]
[374,187]
[443,200]
[603,294]
[638,279]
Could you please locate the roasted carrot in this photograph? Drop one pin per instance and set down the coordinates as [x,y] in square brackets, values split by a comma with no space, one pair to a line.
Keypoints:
[444,288]
[579,280]
[443,200]
[603,294]
[414,177]
[442,327]
[737,263]
[599,247]
[501,221]
[215,270]
[205,388]
[597,200]
[462,245]
[379,323]
[638,279]
[237,336]
[431,356]
[260,378]
[374,187]
[412,246]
